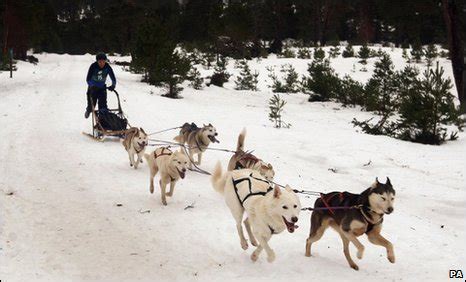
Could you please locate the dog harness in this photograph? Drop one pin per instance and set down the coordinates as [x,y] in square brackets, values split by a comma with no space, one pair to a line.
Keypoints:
[325,201]
[251,193]
[247,158]
[164,152]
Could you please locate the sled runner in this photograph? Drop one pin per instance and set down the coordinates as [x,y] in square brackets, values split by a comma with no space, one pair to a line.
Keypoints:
[111,122]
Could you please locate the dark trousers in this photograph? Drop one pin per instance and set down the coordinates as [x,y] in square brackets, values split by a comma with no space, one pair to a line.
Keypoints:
[96,95]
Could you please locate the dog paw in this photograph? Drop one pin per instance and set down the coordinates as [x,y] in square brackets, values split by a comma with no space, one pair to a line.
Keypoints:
[354,266]
[130,164]
[391,259]
[140,160]
[271,257]
[244,245]
[254,243]
[254,256]
[360,253]
[164,202]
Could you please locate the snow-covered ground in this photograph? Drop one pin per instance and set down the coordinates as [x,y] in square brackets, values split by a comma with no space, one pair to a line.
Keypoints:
[59,190]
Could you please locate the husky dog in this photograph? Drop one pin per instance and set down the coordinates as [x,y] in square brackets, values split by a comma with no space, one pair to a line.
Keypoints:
[241,159]
[135,143]
[366,216]
[269,210]
[172,167]
[197,139]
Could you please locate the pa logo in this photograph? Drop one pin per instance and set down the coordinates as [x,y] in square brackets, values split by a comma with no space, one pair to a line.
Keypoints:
[456,273]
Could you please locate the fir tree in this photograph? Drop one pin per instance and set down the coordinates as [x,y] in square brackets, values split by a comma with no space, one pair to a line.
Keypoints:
[196,81]
[417,52]
[364,53]
[334,51]
[431,53]
[287,52]
[246,80]
[427,108]
[220,75]
[348,52]
[276,106]
[322,82]
[304,53]
[350,92]
[381,89]
[319,54]
[405,55]
[172,70]
[290,83]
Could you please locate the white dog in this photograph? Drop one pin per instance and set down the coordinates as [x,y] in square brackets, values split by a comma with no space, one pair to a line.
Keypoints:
[269,210]
[172,167]
[135,143]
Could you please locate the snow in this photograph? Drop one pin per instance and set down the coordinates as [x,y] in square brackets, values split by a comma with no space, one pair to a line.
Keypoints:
[62,221]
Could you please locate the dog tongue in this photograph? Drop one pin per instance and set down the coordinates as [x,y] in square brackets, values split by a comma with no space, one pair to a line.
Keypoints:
[181,174]
[290,226]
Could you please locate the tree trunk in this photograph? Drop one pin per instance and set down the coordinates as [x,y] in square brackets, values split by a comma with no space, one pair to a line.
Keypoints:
[451,15]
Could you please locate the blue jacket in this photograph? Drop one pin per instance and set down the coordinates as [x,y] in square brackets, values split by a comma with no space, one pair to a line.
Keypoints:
[97,76]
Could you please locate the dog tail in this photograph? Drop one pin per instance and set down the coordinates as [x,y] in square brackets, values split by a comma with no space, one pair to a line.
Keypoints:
[148,159]
[240,144]
[218,179]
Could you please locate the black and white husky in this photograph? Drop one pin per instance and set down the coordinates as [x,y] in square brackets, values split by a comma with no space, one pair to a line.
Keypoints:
[363,215]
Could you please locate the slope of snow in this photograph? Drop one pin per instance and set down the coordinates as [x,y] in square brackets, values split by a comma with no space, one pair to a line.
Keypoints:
[59,190]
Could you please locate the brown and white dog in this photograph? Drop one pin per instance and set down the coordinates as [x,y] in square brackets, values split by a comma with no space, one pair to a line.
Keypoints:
[135,143]
[172,167]
[364,215]
[197,139]
[241,160]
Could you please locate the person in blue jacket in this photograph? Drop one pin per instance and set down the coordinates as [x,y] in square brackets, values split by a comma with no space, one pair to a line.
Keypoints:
[97,89]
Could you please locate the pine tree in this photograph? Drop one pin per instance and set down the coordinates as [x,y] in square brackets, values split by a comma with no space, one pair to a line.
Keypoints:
[322,83]
[220,75]
[196,81]
[350,92]
[276,106]
[427,108]
[334,51]
[381,89]
[172,70]
[290,83]
[348,52]
[364,53]
[431,53]
[246,80]
[417,52]
[405,55]
[304,53]
[319,54]
[287,52]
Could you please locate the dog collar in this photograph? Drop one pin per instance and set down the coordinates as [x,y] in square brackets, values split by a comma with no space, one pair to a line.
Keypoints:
[368,218]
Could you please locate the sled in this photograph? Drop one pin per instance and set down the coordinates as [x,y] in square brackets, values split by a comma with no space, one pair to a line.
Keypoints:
[110,123]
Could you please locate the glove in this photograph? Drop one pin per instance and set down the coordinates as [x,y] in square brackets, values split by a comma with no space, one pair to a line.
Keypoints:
[111,88]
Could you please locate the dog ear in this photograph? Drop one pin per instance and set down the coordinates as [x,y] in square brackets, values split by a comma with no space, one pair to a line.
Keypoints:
[269,166]
[276,192]
[388,182]
[376,183]
[288,188]
[142,130]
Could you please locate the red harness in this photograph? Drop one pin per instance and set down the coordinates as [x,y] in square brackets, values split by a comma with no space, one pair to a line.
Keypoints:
[325,201]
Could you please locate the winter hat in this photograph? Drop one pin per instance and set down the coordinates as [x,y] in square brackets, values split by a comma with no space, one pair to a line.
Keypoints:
[100,56]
